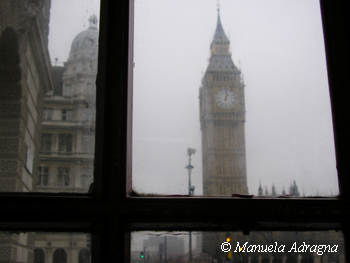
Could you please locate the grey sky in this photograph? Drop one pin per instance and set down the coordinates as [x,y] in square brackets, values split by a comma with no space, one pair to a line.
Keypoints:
[67,19]
[288,125]
[280,46]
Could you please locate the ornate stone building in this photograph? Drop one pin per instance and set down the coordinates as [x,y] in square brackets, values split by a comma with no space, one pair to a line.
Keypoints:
[47,124]
[25,76]
[62,248]
[67,142]
[222,117]
[68,127]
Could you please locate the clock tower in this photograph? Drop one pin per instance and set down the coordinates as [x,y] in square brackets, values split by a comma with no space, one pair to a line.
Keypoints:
[222,117]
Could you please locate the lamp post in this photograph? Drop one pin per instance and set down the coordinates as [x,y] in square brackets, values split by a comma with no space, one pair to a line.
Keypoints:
[189,168]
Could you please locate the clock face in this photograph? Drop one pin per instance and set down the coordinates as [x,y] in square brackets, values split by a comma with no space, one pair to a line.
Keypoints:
[225,98]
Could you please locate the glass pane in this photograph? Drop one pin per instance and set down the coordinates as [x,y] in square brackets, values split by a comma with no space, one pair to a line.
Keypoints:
[228,247]
[40,247]
[48,68]
[245,86]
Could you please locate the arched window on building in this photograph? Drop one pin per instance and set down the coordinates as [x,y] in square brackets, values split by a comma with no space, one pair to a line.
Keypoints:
[39,256]
[60,256]
[84,256]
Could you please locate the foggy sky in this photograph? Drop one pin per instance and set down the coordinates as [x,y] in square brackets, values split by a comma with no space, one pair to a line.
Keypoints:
[278,45]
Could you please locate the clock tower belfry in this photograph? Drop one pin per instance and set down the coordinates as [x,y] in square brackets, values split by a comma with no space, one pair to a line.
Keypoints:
[222,117]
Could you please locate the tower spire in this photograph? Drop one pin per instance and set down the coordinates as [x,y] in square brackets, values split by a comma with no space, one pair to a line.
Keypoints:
[220,44]
[260,190]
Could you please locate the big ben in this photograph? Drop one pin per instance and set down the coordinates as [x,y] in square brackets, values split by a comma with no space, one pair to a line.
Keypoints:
[222,117]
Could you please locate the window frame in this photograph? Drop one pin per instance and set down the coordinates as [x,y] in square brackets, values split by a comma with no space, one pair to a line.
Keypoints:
[65,142]
[63,176]
[44,142]
[47,114]
[110,212]
[66,115]
[42,174]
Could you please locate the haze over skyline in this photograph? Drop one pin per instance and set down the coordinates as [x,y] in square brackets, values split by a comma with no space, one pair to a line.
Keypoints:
[279,47]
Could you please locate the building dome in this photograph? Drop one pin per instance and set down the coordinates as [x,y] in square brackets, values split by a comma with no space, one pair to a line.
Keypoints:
[85,44]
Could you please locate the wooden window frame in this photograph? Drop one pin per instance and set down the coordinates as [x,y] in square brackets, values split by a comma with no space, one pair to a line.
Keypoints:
[110,212]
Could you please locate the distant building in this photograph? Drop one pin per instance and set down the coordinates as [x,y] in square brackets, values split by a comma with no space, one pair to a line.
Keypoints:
[25,76]
[222,117]
[68,141]
[69,112]
[62,247]
[159,245]
[293,191]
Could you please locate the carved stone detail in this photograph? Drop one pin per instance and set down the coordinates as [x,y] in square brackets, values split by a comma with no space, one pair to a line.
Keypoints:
[8,108]
[23,150]
[30,9]
[4,235]
[8,145]
[9,126]
[14,253]
[31,241]
[5,252]
[8,166]
[30,256]
[10,90]
[10,74]
[7,186]
[15,237]
[19,187]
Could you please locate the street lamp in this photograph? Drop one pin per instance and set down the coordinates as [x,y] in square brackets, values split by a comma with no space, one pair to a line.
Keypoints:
[189,168]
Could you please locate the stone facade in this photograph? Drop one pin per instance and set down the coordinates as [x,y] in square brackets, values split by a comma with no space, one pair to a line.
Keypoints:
[29,87]
[62,247]
[25,76]
[68,127]
[222,117]
[67,142]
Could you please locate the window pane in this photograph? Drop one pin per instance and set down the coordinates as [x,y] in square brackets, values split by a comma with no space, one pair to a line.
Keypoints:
[245,85]
[48,68]
[47,114]
[46,142]
[40,247]
[43,176]
[257,247]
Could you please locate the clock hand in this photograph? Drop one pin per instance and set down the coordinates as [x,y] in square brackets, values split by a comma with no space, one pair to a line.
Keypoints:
[226,94]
